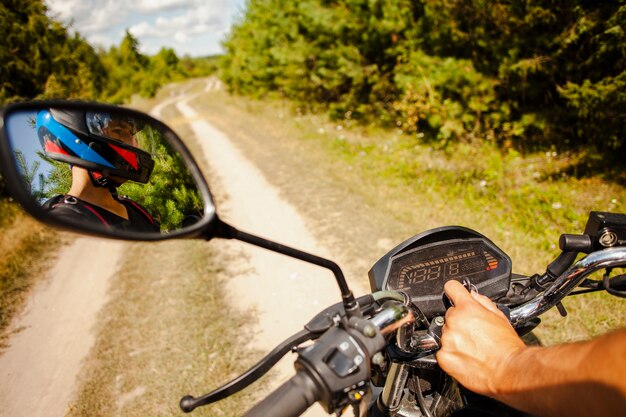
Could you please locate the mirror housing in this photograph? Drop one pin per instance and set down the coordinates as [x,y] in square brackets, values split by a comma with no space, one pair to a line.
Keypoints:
[48,148]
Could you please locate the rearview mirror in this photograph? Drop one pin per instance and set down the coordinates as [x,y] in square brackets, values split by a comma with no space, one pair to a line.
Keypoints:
[103,170]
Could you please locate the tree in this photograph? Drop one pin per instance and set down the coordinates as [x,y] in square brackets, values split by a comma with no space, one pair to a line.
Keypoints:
[171,194]
[39,57]
[531,74]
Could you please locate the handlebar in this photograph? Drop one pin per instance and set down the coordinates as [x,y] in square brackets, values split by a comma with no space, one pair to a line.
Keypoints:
[336,368]
[291,399]
[567,281]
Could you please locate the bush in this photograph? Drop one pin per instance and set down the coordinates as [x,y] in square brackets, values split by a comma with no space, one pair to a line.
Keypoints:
[530,75]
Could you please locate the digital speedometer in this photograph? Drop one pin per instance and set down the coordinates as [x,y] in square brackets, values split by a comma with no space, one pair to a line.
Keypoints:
[425,270]
[421,270]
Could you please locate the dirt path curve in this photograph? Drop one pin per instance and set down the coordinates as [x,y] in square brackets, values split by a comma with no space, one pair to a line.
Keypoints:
[38,370]
[285,293]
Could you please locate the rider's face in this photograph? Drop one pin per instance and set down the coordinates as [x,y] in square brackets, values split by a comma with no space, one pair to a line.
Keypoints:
[121,131]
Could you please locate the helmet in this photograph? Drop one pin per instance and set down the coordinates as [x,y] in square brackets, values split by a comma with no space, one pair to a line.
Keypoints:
[105,144]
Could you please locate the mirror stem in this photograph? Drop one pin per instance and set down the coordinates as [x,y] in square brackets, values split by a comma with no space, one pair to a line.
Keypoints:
[351,306]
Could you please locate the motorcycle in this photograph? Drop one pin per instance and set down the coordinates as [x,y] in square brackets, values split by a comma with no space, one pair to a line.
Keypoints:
[374,353]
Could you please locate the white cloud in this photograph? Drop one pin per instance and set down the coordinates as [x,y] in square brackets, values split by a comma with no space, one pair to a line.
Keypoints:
[67,9]
[104,41]
[142,29]
[181,37]
[192,23]
[90,16]
[156,23]
[150,6]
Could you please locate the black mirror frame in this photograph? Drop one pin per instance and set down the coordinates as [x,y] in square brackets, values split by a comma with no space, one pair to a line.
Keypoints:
[204,229]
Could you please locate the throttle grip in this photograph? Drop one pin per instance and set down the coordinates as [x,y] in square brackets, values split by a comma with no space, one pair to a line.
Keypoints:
[291,399]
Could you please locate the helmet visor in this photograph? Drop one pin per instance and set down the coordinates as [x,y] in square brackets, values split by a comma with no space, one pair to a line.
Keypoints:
[121,129]
[130,141]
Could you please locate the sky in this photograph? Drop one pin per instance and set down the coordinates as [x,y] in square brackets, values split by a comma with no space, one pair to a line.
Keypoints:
[21,132]
[190,27]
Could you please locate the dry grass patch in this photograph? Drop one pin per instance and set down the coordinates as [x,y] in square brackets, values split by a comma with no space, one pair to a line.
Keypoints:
[25,246]
[167,331]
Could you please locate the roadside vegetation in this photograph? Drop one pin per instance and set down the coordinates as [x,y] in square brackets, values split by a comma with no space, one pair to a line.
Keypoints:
[527,75]
[45,59]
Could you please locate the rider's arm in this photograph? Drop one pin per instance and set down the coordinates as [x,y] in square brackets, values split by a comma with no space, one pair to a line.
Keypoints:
[482,351]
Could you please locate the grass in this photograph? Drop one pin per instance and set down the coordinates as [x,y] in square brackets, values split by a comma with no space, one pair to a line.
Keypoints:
[394,186]
[25,246]
[167,331]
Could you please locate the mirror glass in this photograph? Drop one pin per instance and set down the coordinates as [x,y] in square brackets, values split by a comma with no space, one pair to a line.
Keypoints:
[108,170]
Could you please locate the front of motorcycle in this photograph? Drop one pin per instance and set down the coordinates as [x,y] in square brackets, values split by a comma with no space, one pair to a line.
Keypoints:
[118,173]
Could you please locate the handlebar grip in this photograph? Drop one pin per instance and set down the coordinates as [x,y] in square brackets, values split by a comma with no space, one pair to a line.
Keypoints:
[291,399]
[575,243]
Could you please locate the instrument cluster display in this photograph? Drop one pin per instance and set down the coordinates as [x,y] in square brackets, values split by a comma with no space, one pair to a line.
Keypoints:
[423,271]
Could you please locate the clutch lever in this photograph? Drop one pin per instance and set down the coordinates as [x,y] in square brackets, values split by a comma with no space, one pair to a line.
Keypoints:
[188,403]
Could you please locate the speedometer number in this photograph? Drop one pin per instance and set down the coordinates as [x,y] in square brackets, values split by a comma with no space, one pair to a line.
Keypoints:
[434,273]
[453,269]
[419,274]
[416,276]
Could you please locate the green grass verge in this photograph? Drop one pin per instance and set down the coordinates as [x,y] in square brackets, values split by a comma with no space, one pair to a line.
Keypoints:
[167,331]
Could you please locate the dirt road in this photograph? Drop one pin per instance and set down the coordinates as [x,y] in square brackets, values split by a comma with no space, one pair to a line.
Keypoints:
[38,370]
[285,293]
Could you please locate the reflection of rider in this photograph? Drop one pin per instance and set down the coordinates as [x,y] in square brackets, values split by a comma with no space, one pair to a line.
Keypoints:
[103,154]
[483,352]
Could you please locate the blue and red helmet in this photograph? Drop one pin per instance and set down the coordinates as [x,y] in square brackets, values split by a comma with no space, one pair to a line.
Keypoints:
[105,144]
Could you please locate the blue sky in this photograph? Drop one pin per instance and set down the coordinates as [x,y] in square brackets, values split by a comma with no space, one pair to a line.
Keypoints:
[190,27]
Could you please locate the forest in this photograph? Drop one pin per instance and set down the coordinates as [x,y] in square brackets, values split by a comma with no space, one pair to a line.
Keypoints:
[43,59]
[527,74]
